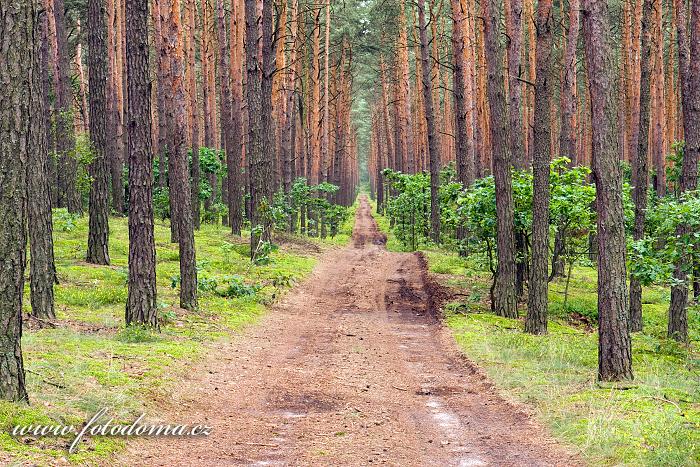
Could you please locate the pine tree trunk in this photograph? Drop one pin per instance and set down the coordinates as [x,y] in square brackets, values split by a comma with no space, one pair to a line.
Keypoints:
[567,140]
[235,178]
[433,149]
[254,148]
[614,346]
[268,124]
[515,34]
[639,157]
[42,267]
[141,305]
[464,150]
[505,299]
[689,74]
[17,83]
[290,94]
[180,194]
[191,12]
[65,136]
[405,97]
[98,234]
[115,127]
[227,120]
[537,303]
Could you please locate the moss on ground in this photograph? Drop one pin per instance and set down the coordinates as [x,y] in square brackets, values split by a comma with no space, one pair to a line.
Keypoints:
[90,360]
[653,421]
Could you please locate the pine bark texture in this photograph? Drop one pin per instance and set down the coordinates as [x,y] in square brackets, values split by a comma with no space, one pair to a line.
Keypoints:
[191,12]
[65,137]
[614,346]
[180,190]
[567,138]
[235,178]
[98,233]
[42,275]
[689,73]
[537,304]
[141,306]
[259,170]
[16,84]
[463,144]
[515,33]
[639,157]
[504,299]
[433,148]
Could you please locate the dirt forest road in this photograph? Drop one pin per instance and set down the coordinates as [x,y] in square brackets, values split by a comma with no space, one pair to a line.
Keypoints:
[351,368]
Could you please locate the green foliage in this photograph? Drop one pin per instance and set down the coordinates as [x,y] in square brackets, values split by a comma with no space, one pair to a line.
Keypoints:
[653,258]
[674,166]
[211,161]
[235,287]
[409,207]
[65,221]
[161,202]
[312,200]
[84,154]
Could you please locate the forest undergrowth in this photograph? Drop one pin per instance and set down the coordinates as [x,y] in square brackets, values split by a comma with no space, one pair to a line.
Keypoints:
[653,420]
[87,360]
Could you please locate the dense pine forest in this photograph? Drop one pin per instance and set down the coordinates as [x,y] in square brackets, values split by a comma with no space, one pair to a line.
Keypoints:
[217,195]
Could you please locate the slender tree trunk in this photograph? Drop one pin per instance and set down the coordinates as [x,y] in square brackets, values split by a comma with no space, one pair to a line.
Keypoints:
[141,305]
[98,234]
[290,95]
[325,143]
[235,179]
[42,274]
[537,303]
[515,34]
[82,117]
[191,12]
[689,74]
[567,140]
[505,299]
[259,170]
[269,42]
[65,136]
[465,151]
[658,121]
[405,97]
[433,149]
[614,346]
[115,127]
[227,120]
[639,157]
[17,82]
[180,194]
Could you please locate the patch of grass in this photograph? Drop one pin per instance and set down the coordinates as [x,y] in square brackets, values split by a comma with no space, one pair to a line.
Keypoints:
[653,421]
[90,361]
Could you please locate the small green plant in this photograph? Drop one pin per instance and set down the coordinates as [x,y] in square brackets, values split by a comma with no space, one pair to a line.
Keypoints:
[65,221]
[236,287]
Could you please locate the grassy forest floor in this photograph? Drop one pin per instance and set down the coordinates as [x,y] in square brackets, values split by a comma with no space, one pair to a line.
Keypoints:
[655,420]
[87,360]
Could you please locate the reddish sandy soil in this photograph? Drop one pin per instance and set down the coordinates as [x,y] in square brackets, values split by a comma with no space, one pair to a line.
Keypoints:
[351,368]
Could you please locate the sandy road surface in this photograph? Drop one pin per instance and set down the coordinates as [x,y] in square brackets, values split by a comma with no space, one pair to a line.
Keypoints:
[351,368]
